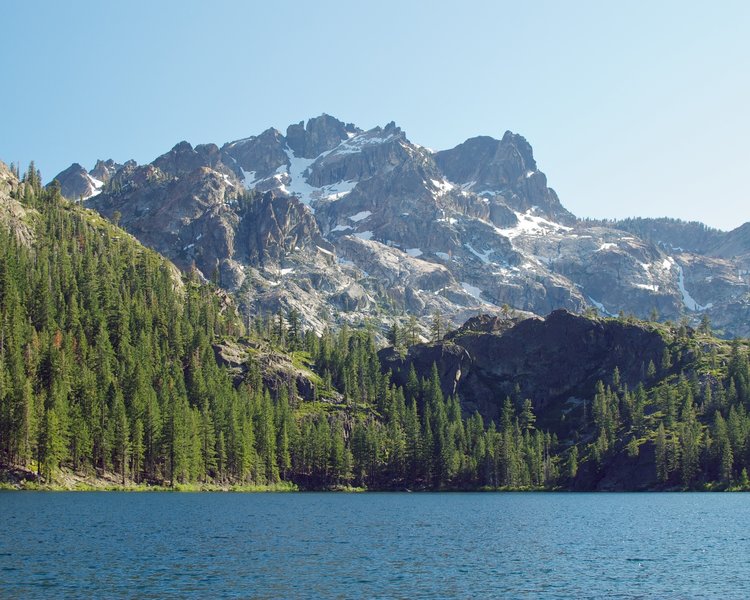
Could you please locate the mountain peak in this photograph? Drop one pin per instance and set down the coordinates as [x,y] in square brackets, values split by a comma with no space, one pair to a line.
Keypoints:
[76,182]
[321,134]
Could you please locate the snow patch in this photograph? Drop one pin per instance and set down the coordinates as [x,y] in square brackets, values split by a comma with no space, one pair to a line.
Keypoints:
[360,216]
[483,256]
[336,191]
[600,307]
[647,286]
[414,252]
[472,290]
[443,187]
[227,180]
[341,228]
[529,224]
[443,255]
[364,235]
[298,185]
[687,299]
[97,186]
[606,246]
[357,143]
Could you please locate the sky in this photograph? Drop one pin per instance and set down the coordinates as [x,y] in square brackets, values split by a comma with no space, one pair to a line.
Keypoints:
[633,109]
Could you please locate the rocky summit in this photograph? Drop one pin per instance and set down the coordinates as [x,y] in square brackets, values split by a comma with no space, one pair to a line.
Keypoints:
[348,225]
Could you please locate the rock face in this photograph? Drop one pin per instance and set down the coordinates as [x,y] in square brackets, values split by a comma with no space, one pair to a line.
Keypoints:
[321,134]
[76,183]
[14,217]
[104,170]
[276,369]
[348,224]
[504,170]
[554,361]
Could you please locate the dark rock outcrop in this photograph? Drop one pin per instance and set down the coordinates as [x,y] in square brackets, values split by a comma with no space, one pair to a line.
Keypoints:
[272,227]
[552,360]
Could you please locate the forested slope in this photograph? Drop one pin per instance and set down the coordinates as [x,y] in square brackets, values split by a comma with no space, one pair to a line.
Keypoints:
[113,365]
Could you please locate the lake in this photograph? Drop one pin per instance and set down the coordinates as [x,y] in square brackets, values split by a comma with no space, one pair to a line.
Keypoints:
[379,545]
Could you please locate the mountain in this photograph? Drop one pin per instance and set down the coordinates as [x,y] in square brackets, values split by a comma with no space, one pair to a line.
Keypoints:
[346,225]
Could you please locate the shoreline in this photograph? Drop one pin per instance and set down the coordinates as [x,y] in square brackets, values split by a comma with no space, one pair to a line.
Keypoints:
[23,479]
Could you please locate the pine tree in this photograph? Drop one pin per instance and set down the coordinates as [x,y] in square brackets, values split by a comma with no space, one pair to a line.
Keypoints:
[662,468]
[527,418]
[121,425]
[436,328]
[573,462]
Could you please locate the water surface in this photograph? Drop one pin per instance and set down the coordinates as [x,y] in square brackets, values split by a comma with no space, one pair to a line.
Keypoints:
[164,545]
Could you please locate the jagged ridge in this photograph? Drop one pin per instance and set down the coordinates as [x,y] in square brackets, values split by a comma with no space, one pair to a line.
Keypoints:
[373,224]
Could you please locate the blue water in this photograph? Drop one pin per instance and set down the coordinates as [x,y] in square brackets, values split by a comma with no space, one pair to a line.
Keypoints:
[162,545]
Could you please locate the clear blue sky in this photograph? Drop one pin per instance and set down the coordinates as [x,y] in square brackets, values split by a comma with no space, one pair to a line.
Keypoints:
[638,108]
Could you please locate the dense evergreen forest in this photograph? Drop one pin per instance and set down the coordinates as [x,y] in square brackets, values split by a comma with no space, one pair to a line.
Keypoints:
[108,368]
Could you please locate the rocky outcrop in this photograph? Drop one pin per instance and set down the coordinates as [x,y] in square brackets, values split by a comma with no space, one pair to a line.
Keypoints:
[257,157]
[104,170]
[173,216]
[503,168]
[276,369]
[553,361]
[14,217]
[322,134]
[76,183]
[272,227]
[361,157]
